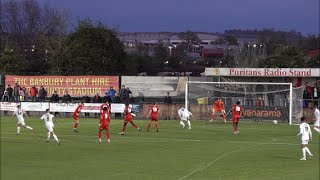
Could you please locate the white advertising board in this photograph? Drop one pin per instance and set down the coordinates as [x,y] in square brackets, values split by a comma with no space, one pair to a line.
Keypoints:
[88,107]
[8,106]
[34,106]
[63,107]
[117,108]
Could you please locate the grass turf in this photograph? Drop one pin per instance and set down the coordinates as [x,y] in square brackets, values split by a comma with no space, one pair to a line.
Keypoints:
[260,151]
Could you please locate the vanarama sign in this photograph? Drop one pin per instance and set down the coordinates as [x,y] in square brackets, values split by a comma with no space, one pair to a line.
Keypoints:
[266,113]
[264,72]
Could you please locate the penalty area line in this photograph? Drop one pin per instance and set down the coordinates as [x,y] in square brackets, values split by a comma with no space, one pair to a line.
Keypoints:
[204,167]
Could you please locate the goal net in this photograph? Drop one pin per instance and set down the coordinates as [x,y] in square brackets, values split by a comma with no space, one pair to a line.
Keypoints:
[264,102]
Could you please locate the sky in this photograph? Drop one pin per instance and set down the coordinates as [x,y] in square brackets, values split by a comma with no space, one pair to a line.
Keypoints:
[197,15]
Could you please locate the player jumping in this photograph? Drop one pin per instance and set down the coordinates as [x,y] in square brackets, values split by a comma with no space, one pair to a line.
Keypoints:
[317,115]
[128,118]
[218,107]
[104,124]
[76,116]
[48,120]
[153,114]
[306,135]
[19,113]
[184,116]
[237,111]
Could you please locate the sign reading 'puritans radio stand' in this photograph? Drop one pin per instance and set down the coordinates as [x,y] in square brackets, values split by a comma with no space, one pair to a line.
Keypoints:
[263,72]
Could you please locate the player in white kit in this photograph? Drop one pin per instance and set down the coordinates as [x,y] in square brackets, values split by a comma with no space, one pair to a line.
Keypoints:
[317,115]
[48,120]
[306,135]
[19,113]
[184,116]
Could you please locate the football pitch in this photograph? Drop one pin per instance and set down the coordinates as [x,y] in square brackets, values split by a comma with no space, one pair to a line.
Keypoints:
[207,151]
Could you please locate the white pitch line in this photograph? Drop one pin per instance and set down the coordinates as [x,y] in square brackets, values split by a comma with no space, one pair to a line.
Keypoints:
[199,169]
[122,138]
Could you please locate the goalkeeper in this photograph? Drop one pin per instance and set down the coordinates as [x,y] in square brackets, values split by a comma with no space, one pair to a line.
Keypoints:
[218,107]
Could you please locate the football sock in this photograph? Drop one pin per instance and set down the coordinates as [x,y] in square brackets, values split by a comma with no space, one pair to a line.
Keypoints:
[100,134]
[55,138]
[28,127]
[308,151]
[304,153]
[134,125]
[75,125]
[99,139]
[108,135]
[149,125]
[48,136]
[317,129]
[189,123]
[124,127]
[18,130]
[157,125]
[182,124]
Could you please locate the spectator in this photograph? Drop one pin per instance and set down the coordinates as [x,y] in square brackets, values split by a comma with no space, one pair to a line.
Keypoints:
[42,94]
[123,94]
[306,95]
[33,93]
[24,94]
[249,96]
[117,98]
[316,94]
[168,106]
[97,99]
[112,93]
[270,99]
[5,98]
[55,99]
[10,91]
[16,92]
[260,102]
[131,99]
[66,98]
[86,99]
[107,98]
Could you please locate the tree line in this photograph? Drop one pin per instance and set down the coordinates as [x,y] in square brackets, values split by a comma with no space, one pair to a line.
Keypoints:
[38,40]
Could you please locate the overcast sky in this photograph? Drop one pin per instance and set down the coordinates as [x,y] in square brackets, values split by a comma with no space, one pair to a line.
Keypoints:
[198,15]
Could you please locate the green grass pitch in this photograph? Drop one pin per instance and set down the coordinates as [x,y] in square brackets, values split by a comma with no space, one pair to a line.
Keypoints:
[260,151]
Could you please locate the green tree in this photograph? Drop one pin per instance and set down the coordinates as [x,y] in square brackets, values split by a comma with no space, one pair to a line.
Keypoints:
[93,49]
[161,53]
[285,56]
[231,40]
[188,39]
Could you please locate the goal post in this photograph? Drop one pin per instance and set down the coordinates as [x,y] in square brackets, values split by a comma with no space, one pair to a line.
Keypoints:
[262,101]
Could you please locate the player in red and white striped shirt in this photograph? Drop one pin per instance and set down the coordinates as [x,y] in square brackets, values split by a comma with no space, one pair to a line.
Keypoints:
[128,118]
[237,111]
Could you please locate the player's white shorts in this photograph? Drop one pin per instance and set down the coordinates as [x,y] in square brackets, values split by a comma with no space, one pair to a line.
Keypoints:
[305,142]
[184,119]
[21,121]
[317,123]
[50,127]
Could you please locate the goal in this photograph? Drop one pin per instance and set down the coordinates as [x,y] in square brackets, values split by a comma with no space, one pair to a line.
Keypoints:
[265,102]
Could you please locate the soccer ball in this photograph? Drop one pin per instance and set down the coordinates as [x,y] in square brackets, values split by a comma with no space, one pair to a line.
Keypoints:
[275,122]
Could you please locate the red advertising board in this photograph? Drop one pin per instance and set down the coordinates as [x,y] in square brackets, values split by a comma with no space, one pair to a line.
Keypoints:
[76,85]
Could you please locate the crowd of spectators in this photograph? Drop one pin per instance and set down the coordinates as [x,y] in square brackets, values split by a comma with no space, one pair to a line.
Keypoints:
[20,94]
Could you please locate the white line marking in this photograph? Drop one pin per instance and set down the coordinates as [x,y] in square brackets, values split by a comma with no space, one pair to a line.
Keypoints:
[199,169]
[151,139]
